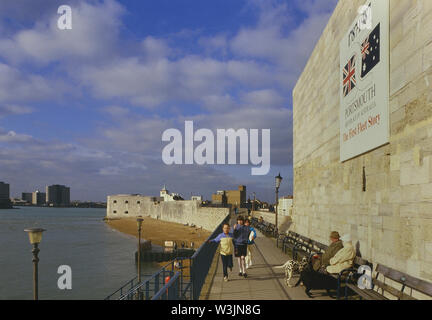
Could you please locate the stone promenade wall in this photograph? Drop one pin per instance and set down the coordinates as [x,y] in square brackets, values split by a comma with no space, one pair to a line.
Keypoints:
[392,221]
[190,212]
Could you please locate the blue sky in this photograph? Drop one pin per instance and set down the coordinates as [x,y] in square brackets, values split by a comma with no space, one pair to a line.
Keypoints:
[87,107]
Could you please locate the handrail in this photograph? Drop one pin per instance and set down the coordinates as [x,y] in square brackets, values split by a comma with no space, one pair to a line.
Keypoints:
[199,265]
[148,280]
[129,283]
[165,289]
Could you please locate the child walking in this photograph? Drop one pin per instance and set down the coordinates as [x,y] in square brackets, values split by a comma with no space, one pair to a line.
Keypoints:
[226,249]
[241,238]
[251,242]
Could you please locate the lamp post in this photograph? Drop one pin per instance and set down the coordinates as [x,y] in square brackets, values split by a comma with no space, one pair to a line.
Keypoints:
[139,223]
[253,205]
[278,179]
[35,237]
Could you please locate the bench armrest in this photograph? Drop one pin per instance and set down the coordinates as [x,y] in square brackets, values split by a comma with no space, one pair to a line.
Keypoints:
[347,270]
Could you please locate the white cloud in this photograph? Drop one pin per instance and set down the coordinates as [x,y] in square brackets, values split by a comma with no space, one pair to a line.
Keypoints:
[92,37]
[6,110]
[17,86]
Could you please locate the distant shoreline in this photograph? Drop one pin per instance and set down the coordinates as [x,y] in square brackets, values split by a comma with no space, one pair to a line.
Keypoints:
[57,207]
[158,231]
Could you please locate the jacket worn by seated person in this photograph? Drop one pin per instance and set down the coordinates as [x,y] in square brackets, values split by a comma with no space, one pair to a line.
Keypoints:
[331,251]
[343,259]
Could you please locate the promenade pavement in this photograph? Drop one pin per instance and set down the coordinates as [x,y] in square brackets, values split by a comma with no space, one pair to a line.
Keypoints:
[264,282]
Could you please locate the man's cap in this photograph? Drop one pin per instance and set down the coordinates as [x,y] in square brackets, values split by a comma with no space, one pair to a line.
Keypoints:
[334,235]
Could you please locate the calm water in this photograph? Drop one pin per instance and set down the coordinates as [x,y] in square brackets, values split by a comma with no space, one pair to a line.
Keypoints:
[101,258]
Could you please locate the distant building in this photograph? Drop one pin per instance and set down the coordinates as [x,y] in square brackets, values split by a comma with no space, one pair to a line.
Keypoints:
[197,198]
[19,202]
[185,212]
[219,198]
[236,198]
[27,196]
[38,198]
[4,190]
[5,196]
[285,206]
[164,193]
[58,196]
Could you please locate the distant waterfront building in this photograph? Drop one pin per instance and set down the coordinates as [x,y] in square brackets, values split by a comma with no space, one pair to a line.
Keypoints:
[197,198]
[285,206]
[38,198]
[4,190]
[219,198]
[236,198]
[4,195]
[58,196]
[164,193]
[27,196]
[184,212]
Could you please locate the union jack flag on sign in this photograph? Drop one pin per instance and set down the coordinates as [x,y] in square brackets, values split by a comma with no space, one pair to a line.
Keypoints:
[365,48]
[349,76]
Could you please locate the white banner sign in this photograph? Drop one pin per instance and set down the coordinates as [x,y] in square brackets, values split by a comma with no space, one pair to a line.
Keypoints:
[364,81]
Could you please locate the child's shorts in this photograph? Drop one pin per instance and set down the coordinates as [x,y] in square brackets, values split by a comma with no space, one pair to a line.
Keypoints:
[240,250]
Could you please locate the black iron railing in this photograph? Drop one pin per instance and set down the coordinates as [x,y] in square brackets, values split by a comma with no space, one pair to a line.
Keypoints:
[184,283]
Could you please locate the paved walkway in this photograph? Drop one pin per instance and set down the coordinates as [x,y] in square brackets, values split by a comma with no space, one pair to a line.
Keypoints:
[264,282]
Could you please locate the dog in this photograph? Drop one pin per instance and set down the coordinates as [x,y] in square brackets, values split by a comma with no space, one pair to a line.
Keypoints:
[293,266]
[313,280]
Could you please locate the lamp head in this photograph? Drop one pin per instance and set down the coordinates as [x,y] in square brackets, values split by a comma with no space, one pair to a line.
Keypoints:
[35,235]
[278,179]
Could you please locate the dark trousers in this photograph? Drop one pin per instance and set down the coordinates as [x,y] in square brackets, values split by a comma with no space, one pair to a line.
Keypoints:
[227,262]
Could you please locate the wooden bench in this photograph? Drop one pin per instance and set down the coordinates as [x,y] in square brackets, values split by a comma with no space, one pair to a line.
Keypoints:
[265,227]
[351,276]
[302,248]
[405,280]
[305,247]
[283,239]
[290,241]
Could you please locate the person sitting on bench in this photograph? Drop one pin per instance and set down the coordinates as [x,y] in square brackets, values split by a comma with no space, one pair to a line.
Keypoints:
[321,262]
[344,258]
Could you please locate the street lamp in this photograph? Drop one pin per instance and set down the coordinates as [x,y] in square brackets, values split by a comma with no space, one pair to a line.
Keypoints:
[139,223]
[253,205]
[278,179]
[35,236]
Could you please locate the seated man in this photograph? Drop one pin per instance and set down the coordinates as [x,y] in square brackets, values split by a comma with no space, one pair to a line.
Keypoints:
[320,264]
[344,258]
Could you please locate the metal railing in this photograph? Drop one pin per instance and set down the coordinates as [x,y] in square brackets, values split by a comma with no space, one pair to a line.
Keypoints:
[181,285]
[124,288]
[150,287]
[171,290]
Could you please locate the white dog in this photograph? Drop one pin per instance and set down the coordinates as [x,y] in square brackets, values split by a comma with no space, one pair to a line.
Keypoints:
[291,267]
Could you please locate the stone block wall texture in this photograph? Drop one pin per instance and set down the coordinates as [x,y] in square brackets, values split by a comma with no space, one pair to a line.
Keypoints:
[191,212]
[392,219]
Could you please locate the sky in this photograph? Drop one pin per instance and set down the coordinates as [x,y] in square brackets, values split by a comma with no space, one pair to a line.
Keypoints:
[87,107]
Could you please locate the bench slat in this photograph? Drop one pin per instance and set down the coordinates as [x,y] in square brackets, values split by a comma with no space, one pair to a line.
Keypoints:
[395,292]
[403,278]
[366,294]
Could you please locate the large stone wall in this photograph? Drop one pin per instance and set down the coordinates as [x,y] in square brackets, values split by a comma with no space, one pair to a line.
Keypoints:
[190,212]
[392,220]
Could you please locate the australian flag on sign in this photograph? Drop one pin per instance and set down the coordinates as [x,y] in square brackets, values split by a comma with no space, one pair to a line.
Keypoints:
[370,50]
[349,76]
